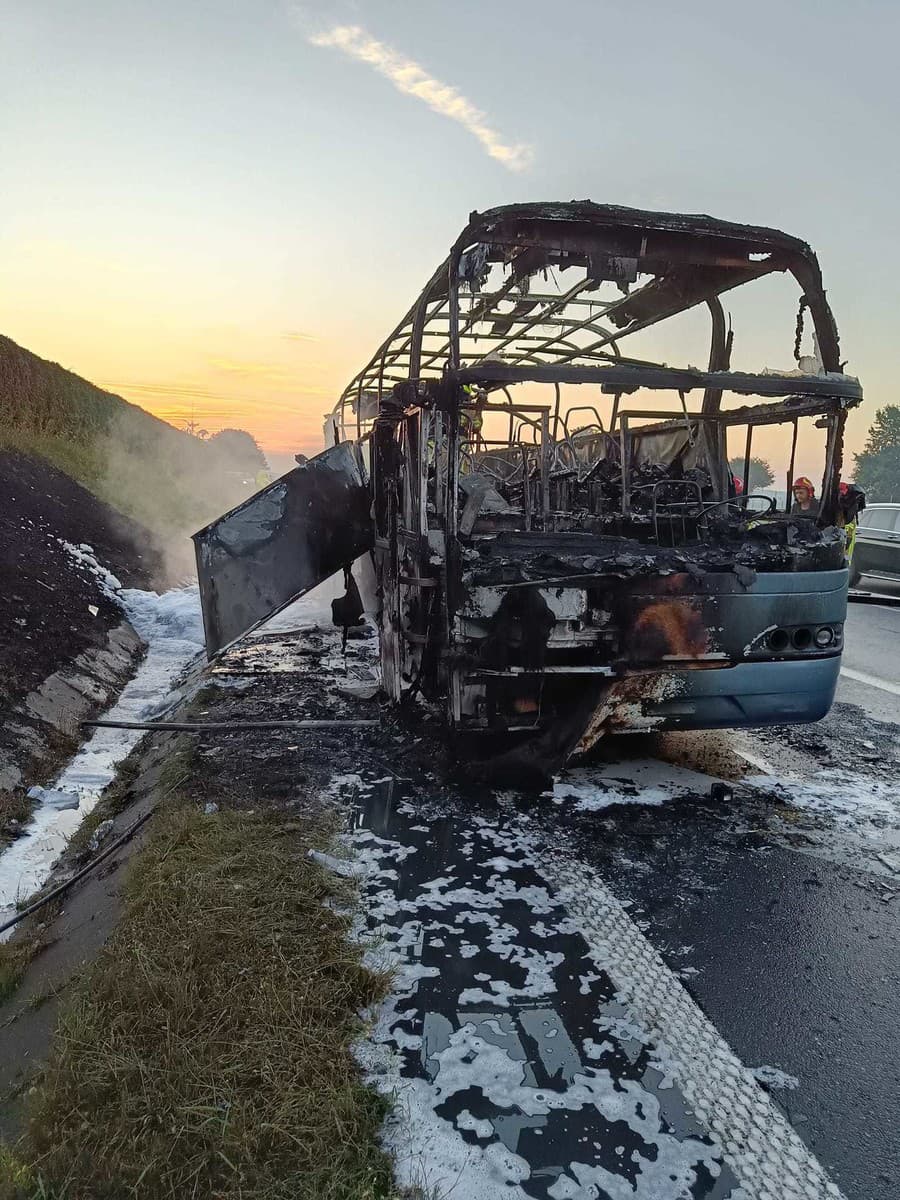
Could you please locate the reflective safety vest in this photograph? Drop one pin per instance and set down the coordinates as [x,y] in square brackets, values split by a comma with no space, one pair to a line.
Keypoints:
[850,534]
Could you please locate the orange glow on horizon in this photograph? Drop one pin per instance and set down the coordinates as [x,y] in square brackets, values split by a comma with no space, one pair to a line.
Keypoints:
[281,424]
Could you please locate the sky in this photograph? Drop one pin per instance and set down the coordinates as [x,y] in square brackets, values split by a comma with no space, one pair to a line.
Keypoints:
[218,208]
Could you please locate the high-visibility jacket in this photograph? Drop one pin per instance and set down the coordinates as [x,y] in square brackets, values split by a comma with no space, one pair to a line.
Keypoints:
[850,534]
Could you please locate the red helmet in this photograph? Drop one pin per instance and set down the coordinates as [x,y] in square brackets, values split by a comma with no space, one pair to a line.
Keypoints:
[802,482]
[738,485]
[843,488]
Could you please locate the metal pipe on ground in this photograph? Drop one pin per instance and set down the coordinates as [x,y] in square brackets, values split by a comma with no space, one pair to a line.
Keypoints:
[227,726]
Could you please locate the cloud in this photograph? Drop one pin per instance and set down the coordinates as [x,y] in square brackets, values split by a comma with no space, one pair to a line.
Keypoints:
[408,77]
[233,367]
[294,335]
[160,389]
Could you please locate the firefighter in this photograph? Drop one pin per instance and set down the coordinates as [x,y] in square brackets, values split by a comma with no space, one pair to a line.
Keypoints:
[469,431]
[851,502]
[470,425]
[805,502]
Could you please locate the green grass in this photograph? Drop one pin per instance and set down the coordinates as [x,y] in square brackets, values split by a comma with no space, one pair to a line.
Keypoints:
[16,1179]
[12,967]
[165,497]
[79,460]
[207,1051]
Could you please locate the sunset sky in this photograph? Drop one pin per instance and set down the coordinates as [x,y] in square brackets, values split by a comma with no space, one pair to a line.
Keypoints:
[217,208]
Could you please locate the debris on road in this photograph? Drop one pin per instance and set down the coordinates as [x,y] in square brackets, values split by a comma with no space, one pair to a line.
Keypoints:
[774,1077]
[101,832]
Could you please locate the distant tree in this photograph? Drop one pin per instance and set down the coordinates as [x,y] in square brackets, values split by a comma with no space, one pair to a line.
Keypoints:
[193,428]
[761,475]
[878,466]
[237,450]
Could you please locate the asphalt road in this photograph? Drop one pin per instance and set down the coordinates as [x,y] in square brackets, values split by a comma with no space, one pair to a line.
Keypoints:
[870,675]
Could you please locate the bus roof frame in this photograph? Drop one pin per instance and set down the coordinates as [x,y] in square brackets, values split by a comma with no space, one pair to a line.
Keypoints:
[692,259]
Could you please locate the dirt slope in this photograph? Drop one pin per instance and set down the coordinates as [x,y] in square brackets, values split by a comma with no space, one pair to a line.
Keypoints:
[46,596]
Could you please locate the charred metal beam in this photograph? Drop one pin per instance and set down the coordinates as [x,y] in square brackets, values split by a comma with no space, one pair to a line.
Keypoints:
[476,313]
[623,378]
[559,303]
[579,216]
[757,414]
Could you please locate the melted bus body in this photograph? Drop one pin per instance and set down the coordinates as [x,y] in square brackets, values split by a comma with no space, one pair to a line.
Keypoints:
[561,548]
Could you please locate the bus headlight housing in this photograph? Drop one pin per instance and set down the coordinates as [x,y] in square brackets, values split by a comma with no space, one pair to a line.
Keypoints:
[824,636]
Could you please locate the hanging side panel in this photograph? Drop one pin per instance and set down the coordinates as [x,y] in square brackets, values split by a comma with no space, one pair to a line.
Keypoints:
[282,542]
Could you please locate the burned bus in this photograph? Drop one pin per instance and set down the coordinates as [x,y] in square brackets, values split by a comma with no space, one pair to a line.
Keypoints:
[561,548]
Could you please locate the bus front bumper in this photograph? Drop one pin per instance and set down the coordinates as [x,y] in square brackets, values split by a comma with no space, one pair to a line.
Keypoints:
[762,693]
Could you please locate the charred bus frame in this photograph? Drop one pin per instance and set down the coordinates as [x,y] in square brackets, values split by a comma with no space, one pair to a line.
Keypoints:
[460,350]
[557,582]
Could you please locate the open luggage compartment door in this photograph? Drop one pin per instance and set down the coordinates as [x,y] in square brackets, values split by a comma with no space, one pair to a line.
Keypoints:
[276,546]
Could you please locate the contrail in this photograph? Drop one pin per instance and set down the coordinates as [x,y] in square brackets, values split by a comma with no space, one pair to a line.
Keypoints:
[407,76]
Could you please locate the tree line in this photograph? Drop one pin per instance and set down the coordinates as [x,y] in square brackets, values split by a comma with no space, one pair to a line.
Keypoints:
[878,466]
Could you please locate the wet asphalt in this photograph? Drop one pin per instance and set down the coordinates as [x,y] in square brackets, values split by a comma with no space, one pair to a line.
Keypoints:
[797,963]
[796,954]
[522,1040]
[870,665]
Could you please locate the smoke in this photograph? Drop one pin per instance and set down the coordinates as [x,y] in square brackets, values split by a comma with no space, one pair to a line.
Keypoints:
[410,78]
[171,484]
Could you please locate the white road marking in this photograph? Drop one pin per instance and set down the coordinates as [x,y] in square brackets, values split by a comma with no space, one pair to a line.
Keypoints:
[872,680]
[767,1156]
[754,760]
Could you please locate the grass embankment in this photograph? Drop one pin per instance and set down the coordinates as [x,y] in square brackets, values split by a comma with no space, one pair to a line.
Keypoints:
[207,1051]
[159,476]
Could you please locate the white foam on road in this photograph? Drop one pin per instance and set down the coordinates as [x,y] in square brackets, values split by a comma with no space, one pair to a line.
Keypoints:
[748,1131]
[645,781]
[774,1077]
[172,627]
[483,1057]
[865,805]
[478,1056]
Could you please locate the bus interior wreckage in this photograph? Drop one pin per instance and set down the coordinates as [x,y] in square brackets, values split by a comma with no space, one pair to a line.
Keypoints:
[560,547]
